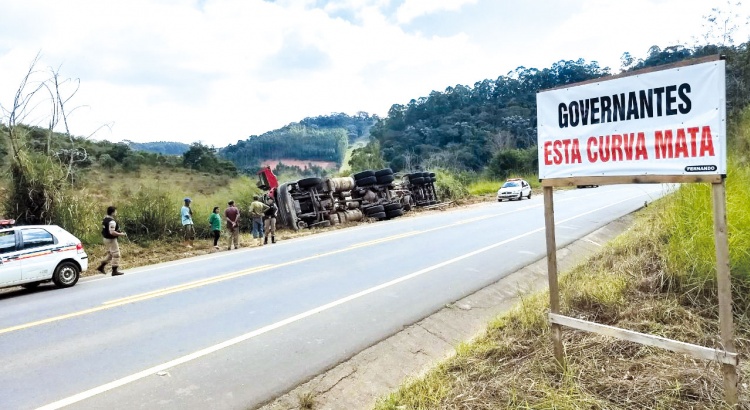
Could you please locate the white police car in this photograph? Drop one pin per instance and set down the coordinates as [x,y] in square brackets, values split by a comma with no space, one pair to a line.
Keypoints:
[35,254]
[515,188]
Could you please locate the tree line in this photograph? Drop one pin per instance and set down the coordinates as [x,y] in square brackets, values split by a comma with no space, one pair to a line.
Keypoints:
[295,141]
[491,127]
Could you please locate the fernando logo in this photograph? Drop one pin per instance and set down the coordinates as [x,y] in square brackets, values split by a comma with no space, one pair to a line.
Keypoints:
[700,168]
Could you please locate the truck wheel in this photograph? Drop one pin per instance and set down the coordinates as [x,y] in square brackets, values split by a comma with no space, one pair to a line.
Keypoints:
[309,182]
[367,181]
[374,210]
[394,214]
[392,207]
[364,174]
[383,172]
[385,179]
[529,195]
[417,181]
[286,209]
[378,215]
[431,175]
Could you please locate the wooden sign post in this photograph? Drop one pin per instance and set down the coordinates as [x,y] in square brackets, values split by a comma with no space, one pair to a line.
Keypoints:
[659,125]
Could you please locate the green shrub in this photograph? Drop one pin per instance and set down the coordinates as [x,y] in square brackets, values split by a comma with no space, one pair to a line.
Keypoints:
[449,186]
[150,214]
[78,212]
[484,186]
[692,253]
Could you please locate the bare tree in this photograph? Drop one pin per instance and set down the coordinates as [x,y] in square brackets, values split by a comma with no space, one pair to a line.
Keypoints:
[37,178]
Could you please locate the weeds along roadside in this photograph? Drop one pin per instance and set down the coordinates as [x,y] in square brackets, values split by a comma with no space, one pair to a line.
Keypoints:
[148,203]
[657,278]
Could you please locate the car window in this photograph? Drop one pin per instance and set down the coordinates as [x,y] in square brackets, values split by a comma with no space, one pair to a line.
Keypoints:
[510,184]
[7,242]
[36,237]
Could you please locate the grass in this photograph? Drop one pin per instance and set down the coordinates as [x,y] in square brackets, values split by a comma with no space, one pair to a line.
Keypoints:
[658,278]
[485,186]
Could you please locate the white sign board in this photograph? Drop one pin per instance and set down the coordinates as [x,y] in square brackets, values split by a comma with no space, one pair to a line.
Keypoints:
[670,122]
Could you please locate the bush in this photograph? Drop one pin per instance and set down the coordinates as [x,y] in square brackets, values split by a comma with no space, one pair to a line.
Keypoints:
[78,213]
[514,161]
[449,186]
[150,214]
[691,244]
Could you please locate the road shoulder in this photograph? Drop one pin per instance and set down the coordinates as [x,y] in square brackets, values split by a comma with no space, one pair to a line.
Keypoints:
[376,371]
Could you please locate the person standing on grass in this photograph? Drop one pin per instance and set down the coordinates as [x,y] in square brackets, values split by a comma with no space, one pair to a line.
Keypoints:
[232,215]
[269,219]
[188,230]
[257,209]
[110,233]
[215,221]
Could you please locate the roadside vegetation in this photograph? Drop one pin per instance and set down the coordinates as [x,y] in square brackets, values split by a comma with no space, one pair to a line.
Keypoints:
[657,278]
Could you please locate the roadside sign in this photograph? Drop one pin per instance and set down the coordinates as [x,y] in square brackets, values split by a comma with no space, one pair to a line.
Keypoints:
[657,125]
[666,122]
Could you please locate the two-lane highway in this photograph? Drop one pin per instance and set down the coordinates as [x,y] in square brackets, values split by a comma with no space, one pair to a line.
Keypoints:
[235,329]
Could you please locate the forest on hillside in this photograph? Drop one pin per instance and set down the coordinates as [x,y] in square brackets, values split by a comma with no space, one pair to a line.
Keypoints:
[159,147]
[321,138]
[491,126]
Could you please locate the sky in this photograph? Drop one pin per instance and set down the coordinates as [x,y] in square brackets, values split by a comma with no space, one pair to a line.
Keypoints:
[219,71]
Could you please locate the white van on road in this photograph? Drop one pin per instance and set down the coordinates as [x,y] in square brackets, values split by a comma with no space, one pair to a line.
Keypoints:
[32,255]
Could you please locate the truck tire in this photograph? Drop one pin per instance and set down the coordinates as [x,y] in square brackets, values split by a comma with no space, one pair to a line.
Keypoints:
[367,181]
[309,182]
[392,207]
[383,172]
[364,174]
[394,214]
[432,175]
[283,200]
[374,210]
[377,215]
[417,181]
[385,179]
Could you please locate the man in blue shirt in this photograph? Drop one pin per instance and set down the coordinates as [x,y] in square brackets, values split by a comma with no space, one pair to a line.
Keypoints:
[186,214]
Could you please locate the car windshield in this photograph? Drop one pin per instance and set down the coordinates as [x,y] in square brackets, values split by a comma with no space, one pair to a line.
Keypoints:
[511,184]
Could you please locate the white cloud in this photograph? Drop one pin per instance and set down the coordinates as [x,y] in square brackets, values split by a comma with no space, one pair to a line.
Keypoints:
[221,70]
[412,9]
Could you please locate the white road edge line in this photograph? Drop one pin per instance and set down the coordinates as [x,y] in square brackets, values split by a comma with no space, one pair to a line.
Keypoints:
[231,342]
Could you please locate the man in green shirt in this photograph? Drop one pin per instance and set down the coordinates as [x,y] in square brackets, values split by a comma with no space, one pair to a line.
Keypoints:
[257,209]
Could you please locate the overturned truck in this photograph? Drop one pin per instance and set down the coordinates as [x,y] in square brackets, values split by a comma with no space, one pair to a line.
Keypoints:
[321,202]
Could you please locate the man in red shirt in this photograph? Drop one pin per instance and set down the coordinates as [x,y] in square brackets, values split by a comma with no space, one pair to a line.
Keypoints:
[232,215]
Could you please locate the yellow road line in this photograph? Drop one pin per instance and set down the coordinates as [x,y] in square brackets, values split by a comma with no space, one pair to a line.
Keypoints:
[203,282]
[189,285]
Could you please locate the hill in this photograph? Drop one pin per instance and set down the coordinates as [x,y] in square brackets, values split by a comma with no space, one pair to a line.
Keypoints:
[322,138]
[159,147]
[491,126]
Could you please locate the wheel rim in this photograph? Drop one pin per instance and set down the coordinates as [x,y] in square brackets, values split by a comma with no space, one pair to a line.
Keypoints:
[67,274]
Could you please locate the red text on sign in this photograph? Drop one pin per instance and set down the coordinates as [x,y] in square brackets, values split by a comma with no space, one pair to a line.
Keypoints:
[565,151]
[617,147]
[684,143]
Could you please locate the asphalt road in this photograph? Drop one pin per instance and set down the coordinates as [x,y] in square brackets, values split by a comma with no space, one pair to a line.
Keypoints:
[236,329]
